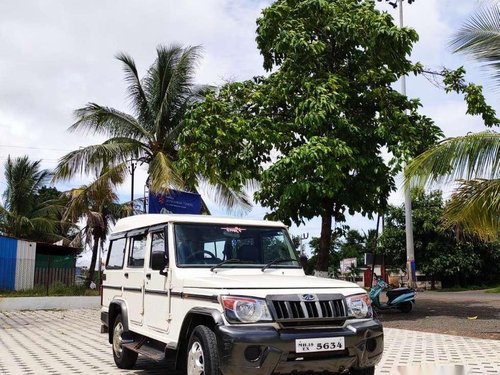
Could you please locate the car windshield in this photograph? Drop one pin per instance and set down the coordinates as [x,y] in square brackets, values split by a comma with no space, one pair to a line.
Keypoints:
[205,245]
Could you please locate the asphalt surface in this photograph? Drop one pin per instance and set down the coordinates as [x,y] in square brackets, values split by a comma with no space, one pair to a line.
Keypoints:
[470,313]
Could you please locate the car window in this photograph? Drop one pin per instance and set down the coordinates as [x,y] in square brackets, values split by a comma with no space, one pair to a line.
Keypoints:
[159,256]
[203,245]
[116,253]
[137,251]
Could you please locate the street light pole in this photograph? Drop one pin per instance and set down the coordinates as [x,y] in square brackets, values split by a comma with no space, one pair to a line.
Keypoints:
[133,165]
[410,250]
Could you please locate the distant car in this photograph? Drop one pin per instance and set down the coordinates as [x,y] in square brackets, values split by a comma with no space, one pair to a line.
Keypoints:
[228,296]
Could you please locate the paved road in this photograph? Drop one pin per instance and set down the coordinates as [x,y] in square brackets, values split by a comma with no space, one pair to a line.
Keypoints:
[68,342]
[471,313]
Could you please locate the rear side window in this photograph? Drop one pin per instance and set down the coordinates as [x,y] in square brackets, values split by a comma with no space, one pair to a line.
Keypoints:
[158,258]
[137,251]
[116,253]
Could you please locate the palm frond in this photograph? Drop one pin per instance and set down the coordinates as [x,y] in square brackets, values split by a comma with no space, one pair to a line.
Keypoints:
[162,174]
[96,119]
[135,89]
[177,83]
[93,158]
[480,37]
[167,84]
[24,178]
[475,208]
[45,225]
[468,157]
[95,196]
[237,201]
[159,74]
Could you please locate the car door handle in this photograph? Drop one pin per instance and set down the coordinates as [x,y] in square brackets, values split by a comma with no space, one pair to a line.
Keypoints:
[148,276]
[126,275]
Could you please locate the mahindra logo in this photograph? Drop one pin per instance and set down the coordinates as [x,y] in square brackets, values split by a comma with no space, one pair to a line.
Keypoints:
[308,297]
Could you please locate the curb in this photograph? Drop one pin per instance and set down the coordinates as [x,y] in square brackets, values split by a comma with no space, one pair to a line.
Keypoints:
[49,303]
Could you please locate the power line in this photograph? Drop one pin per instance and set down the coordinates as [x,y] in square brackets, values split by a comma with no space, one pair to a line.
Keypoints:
[36,148]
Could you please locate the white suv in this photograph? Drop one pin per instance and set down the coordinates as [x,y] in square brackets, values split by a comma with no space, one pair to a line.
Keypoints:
[228,296]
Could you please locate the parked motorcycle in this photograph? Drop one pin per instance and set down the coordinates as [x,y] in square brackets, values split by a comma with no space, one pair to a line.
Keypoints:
[401,299]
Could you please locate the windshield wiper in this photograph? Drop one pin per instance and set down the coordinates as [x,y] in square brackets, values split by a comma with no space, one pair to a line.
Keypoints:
[227,261]
[276,261]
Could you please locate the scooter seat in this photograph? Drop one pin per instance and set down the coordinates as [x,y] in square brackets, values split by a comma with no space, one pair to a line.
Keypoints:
[395,293]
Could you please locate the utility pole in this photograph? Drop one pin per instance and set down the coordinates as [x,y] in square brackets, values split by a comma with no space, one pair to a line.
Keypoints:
[410,250]
[132,168]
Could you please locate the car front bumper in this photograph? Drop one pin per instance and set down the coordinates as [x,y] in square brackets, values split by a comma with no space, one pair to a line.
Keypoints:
[239,348]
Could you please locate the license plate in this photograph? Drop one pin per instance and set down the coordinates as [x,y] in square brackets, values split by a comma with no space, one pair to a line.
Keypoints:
[325,344]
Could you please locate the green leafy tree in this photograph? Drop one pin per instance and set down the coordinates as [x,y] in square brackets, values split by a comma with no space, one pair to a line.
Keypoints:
[65,229]
[353,245]
[97,206]
[334,256]
[27,213]
[312,132]
[159,101]
[438,253]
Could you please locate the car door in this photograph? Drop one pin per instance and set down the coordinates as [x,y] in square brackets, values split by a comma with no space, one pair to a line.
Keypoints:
[134,276]
[157,290]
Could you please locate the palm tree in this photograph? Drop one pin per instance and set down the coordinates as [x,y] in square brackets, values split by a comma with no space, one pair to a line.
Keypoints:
[97,205]
[159,103]
[24,214]
[474,161]
[479,37]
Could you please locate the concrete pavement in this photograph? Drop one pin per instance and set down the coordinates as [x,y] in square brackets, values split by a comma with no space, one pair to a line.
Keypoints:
[69,342]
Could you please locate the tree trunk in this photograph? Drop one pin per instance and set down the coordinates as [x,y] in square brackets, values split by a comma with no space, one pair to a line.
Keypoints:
[325,239]
[95,248]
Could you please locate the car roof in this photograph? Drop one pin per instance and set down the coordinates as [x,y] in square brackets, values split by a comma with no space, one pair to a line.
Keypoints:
[147,220]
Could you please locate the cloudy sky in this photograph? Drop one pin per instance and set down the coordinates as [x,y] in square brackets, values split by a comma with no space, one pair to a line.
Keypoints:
[56,56]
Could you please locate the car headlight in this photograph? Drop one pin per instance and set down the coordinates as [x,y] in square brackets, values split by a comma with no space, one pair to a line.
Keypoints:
[359,306]
[245,310]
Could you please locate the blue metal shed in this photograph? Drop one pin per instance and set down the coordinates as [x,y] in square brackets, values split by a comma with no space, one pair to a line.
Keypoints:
[8,253]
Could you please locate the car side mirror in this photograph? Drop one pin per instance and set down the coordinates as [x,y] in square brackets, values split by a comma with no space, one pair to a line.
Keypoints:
[164,271]
[159,261]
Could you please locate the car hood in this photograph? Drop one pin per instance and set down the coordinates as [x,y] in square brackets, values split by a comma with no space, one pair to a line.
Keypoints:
[263,281]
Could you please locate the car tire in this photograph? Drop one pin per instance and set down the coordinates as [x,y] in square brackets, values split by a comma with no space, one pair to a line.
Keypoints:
[405,307]
[124,357]
[202,355]
[363,371]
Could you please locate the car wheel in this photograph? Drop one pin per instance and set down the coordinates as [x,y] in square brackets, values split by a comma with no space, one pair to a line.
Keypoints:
[363,371]
[202,354]
[405,307]
[124,357]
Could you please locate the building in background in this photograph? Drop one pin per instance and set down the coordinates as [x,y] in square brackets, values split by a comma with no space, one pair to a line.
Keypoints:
[25,264]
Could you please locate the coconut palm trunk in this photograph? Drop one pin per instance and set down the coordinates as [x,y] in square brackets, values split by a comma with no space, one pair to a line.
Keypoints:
[95,249]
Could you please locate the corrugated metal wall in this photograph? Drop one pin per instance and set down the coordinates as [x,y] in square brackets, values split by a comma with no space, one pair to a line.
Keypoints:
[25,265]
[8,249]
[22,268]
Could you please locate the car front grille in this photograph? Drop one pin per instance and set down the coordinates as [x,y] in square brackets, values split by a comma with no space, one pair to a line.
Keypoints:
[307,309]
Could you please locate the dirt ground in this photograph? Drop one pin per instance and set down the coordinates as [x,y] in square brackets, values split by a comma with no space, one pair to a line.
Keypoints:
[471,313]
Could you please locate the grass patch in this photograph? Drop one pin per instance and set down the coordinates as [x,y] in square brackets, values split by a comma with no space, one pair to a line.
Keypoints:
[472,287]
[494,290]
[56,289]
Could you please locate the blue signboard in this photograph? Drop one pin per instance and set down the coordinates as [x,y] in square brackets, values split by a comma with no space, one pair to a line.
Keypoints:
[176,202]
